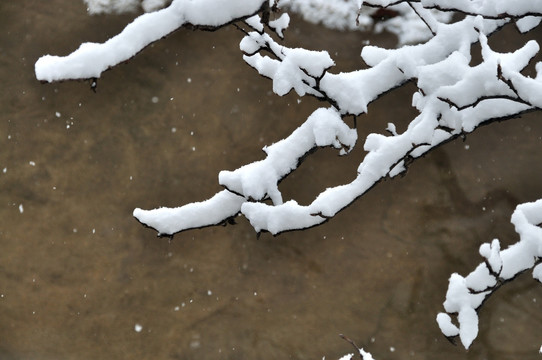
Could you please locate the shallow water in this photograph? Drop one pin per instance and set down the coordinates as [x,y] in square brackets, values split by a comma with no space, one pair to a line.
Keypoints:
[78,273]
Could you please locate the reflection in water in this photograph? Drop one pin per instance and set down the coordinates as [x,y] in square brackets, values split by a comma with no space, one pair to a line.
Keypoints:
[81,279]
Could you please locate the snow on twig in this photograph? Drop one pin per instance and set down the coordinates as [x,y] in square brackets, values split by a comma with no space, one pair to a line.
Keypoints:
[466,294]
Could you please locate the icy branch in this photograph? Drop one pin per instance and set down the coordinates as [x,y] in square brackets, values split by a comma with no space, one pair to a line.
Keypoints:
[466,294]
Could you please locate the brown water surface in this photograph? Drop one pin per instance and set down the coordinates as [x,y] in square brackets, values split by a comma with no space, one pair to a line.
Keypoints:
[78,273]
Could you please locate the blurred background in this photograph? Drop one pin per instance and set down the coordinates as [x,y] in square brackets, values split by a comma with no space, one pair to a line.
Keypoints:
[80,278]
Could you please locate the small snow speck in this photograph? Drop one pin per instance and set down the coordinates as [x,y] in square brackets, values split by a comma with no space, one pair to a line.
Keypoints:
[173,130]
[392,349]
[138,328]
[5,170]
[154,99]
[21,209]
[189,80]
[31,163]
[195,343]
[209,292]
[57,114]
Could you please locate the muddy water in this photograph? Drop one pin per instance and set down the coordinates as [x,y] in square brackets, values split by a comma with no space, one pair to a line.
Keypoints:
[78,273]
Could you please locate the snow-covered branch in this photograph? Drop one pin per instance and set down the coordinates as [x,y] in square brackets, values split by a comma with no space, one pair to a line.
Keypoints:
[466,294]
[92,59]
[257,181]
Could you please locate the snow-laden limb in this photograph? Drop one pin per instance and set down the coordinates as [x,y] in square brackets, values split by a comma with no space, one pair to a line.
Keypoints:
[168,221]
[390,68]
[91,59]
[259,180]
[307,72]
[466,294]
